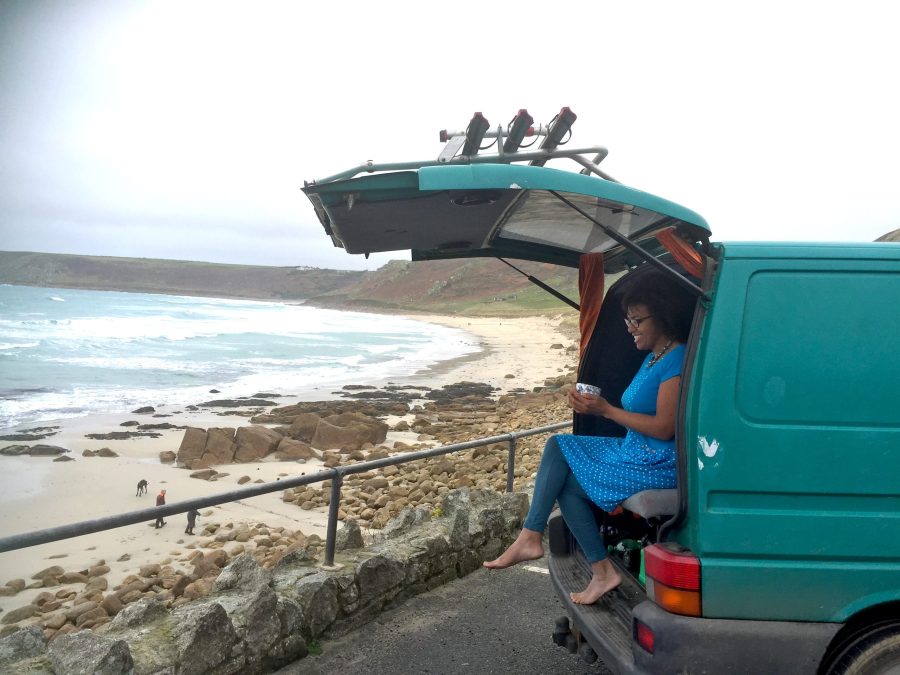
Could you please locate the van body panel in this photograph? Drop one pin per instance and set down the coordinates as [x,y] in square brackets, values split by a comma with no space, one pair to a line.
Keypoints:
[792,250]
[792,434]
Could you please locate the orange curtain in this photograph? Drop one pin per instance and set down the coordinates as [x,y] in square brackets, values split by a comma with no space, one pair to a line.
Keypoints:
[590,291]
[685,254]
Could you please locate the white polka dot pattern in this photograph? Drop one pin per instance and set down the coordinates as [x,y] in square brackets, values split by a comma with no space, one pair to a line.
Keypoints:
[610,470]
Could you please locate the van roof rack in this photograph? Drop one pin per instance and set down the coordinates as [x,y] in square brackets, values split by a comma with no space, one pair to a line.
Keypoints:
[463,147]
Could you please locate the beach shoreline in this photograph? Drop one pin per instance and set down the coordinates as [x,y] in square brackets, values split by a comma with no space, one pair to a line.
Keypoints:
[37,493]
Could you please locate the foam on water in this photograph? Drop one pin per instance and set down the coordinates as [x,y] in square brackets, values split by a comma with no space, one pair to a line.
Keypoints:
[78,352]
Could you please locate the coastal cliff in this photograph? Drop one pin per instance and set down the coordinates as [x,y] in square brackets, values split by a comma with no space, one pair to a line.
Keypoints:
[171,277]
[477,286]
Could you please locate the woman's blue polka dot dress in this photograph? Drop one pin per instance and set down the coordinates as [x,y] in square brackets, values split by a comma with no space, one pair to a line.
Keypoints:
[610,470]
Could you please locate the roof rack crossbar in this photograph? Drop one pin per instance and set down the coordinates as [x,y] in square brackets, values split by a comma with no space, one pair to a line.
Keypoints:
[461,147]
[372,167]
[591,167]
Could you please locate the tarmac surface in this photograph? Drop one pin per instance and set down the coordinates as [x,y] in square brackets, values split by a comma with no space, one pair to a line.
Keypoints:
[484,623]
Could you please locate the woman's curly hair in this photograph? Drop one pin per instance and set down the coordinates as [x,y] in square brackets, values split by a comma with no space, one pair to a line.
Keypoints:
[671,307]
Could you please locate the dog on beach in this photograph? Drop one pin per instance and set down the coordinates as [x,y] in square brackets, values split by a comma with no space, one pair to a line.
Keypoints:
[141,488]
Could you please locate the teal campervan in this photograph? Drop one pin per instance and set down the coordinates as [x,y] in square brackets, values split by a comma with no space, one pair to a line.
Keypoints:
[779,551]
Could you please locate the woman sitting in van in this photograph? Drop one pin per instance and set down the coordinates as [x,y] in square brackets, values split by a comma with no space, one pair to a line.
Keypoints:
[578,470]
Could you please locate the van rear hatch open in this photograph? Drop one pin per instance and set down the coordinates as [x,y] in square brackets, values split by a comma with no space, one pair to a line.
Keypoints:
[497,210]
[544,215]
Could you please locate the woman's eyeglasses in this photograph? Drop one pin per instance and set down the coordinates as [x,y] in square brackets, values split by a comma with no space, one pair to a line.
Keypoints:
[635,322]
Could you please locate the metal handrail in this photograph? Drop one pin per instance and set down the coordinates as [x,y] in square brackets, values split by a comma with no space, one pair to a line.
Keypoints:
[336,475]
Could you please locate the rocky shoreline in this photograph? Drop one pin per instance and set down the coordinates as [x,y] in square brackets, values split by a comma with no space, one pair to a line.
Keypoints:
[400,536]
[80,589]
[71,600]
[338,433]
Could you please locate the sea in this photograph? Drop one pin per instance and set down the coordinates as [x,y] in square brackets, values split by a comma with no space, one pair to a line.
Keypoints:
[68,353]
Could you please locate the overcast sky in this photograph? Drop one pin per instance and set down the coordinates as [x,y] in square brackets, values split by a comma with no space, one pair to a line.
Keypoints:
[184,129]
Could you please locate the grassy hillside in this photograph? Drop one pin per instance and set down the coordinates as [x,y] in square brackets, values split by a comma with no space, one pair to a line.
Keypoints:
[477,286]
[175,277]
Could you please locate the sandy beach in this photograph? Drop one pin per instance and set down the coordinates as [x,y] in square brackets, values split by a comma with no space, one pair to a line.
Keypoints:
[37,493]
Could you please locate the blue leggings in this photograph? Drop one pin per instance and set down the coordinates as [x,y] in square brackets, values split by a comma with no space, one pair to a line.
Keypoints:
[555,482]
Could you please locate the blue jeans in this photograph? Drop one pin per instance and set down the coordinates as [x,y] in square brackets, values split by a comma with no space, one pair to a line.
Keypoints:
[555,482]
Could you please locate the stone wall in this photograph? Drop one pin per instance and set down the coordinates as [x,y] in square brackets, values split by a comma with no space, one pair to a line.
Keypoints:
[256,620]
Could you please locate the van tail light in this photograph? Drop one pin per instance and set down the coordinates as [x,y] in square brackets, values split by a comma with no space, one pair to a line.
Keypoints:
[643,635]
[673,579]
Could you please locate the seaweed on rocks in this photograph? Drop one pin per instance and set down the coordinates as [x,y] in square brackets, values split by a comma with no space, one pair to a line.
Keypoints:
[33,434]
[237,403]
[372,408]
[381,394]
[451,392]
[123,435]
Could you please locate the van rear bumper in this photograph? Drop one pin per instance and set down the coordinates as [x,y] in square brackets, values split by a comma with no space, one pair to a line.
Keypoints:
[688,644]
[681,643]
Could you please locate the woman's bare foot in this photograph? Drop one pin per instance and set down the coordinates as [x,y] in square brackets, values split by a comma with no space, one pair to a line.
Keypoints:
[604,578]
[527,546]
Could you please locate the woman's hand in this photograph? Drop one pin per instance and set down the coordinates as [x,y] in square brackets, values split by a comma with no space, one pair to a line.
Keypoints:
[588,404]
[661,425]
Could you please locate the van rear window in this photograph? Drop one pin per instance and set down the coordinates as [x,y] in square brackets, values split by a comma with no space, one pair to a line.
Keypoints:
[540,218]
[819,348]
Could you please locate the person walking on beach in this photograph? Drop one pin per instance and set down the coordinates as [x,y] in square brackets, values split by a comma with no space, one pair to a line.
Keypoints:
[192,520]
[160,501]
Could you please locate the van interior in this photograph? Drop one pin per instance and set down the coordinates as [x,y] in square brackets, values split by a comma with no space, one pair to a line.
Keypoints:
[610,361]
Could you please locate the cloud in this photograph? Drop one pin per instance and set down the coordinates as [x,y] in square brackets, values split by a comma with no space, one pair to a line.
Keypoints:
[186,129]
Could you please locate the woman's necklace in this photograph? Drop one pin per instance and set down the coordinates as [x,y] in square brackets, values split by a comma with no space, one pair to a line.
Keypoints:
[656,357]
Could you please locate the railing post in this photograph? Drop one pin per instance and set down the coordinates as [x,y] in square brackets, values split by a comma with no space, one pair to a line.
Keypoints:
[511,464]
[333,505]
